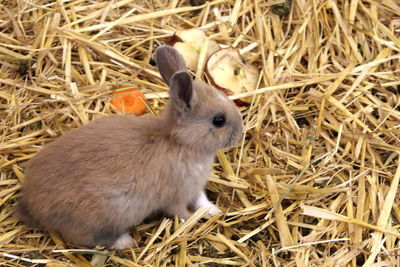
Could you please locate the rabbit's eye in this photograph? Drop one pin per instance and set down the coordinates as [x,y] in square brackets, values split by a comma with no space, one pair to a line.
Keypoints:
[219,120]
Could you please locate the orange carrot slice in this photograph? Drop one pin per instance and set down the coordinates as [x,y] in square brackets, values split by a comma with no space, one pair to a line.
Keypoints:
[130,101]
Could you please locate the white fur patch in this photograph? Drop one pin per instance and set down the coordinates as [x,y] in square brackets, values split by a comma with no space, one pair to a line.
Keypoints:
[125,241]
[213,211]
[202,201]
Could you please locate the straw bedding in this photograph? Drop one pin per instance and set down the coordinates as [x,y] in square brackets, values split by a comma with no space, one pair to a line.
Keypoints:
[313,183]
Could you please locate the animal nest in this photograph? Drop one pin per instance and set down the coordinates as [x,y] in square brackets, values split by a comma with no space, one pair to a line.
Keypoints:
[314,181]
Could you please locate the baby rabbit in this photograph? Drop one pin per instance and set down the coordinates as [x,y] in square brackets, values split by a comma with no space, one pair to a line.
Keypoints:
[94,183]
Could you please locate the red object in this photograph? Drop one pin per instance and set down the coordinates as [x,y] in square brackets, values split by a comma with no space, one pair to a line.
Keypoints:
[130,101]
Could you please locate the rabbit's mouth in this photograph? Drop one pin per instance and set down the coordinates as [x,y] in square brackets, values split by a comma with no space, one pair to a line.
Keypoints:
[228,143]
[234,137]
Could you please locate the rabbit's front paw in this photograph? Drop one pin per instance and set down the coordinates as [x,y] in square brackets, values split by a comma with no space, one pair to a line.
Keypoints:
[125,241]
[202,201]
[213,211]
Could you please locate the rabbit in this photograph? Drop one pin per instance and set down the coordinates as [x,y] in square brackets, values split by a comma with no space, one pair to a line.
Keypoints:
[95,182]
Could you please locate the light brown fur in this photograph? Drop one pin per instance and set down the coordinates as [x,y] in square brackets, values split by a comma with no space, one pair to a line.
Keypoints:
[96,181]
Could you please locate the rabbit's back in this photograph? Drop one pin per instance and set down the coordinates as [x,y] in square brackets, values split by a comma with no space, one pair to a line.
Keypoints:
[86,152]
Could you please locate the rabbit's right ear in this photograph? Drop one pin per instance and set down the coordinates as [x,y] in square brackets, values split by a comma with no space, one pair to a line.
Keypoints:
[182,92]
[169,61]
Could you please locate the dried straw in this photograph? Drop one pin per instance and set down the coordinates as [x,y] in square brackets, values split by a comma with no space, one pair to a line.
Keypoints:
[313,183]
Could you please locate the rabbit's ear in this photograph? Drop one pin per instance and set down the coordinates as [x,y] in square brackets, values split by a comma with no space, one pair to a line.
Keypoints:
[169,61]
[181,91]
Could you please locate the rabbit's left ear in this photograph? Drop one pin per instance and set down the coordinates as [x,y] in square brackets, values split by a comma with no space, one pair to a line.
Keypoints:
[182,91]
[169,61]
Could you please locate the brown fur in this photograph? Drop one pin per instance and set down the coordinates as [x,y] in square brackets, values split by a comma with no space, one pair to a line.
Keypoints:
[96,181]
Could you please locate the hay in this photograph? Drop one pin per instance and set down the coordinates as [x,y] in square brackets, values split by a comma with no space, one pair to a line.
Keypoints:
[314,182]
